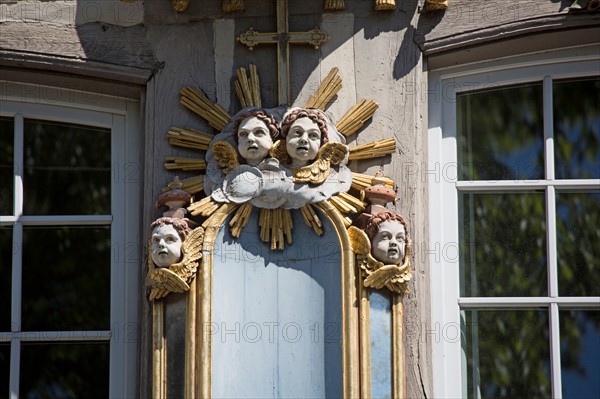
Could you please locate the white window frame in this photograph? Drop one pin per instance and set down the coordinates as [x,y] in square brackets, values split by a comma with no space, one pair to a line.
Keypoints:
[446,303]
[122,117]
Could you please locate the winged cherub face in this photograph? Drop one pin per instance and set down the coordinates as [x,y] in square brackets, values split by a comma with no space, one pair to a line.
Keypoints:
[254,140]
[303,141]
[389,243]
[166,245]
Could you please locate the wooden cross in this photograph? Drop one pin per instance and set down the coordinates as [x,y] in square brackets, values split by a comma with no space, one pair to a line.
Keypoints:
[283,38]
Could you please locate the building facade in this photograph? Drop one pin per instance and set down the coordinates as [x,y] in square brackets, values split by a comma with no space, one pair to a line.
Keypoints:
[493,108]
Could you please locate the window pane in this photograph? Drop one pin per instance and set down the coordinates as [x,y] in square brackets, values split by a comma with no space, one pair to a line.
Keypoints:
[66,278]
[4,366]
[380,322]
[6,254]
[580,353]
[500,134]
[578,243]
[6,166]
[503,245]
[67,169]
[65,370]
[507,353]
[577,129]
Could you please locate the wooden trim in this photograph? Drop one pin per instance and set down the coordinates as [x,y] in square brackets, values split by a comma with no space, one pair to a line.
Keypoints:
[190,340]
[511,30]
[74,74]
[505,41]
[365,340]
[398,352]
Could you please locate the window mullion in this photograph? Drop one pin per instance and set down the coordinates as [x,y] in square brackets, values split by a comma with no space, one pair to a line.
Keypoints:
[555,366]
[551,239]
[15,325]
[550,191]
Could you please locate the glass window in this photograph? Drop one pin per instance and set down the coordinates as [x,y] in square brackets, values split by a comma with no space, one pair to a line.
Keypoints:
[66,370]
[74,293]
[508,353]
[524,214]
[499,138]
[65,295]
[6,165]
[503,244]
[577,128]
[67,169]
[577,241]
[6,251]
[580,353]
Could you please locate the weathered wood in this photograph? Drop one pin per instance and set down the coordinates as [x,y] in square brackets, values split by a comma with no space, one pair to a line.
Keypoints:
[530,43]
[81,12]
[467,15]
[94,42]
[510,29]
[224,39]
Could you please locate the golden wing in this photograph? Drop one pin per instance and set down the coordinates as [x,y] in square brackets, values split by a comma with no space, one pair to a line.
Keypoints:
[279,152]
[334,152]
[399,283]
[163,281]
[225,155]
[317,172]
[361,246]
[393,277]
[191,249]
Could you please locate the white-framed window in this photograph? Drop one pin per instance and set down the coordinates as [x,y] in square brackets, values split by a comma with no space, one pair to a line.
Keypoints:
[514,180]
[69,243]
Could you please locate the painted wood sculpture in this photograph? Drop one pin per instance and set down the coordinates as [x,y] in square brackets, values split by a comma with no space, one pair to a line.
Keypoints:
[175,245]
[280,160]
[381,242]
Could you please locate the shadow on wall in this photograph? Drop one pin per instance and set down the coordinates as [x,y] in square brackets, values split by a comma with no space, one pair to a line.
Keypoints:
[112,32]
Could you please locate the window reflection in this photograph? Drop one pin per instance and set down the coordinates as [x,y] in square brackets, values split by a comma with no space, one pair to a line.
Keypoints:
[4,366]
[6,252]
[66,370]
[580,353]
[508,354]
[503,244]
[67,169]
[66,278]
[577,241]
[6,166]
[499,138]
[577,129]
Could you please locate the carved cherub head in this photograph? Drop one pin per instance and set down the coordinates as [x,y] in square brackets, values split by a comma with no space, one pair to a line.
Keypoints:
[255,132]
[166,239]
[305,131]
[388,233]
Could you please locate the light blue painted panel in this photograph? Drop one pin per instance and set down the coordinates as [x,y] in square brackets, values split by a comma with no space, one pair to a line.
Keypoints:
[277,315]
[380,320]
